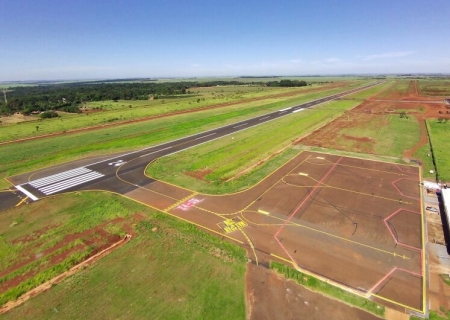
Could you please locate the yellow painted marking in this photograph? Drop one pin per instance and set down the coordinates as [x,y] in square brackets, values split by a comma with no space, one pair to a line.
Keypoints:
[230,225]
[251,245]
[229,222]
[8,181]
[295,224]
[264,212]
[22,201]
[154,208]
[397,303]
[424,274]
[285,260]
[176,204]
[8,190]
[324,185]
[303,174]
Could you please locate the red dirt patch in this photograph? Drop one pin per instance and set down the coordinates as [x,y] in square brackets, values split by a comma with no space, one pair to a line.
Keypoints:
[94,240]
[265,290]
[199,174]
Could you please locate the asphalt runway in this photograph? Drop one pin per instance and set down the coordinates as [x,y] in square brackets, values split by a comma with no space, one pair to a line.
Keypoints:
[123,173]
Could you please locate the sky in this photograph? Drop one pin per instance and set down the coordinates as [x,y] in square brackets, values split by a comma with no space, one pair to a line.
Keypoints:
[99,39]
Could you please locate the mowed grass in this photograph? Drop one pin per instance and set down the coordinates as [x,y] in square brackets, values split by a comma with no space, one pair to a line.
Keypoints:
[109,112]
[439,133]
[434,88]
[32,155]
[226,157]
[395,89]
[169,270]
[390,135]
[30,230]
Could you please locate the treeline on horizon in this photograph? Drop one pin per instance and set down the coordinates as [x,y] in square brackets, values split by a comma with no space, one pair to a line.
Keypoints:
[70,97]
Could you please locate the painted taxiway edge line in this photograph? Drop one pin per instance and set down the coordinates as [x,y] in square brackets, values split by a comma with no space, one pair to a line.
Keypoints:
[27,193]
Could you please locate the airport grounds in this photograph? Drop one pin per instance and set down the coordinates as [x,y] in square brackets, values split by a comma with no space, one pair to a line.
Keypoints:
[173,269]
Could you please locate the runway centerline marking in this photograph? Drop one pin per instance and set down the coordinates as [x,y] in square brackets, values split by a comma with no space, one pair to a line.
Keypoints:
[144,155]
[211,134]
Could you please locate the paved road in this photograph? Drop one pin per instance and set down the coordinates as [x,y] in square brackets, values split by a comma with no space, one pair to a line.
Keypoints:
[125,173]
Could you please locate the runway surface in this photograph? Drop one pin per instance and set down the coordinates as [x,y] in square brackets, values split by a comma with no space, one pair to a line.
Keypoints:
[104,174]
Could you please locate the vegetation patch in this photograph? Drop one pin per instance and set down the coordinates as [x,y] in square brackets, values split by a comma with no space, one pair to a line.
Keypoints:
[439,132]
[169,270]
[327,289]
[227,157]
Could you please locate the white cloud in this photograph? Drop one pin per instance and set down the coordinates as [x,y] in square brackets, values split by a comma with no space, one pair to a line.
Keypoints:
[387,55]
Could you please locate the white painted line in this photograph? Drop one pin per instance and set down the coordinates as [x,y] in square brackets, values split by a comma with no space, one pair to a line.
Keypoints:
[27,193]
[264,118]
[240,125]
[322,158]
[206,136]
[58,177]
[298,110]
[154,152]
[303,174]
[264,212]
[285,109]
[70,183]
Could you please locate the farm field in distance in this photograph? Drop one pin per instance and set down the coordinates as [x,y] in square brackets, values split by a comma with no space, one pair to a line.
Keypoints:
[163,267]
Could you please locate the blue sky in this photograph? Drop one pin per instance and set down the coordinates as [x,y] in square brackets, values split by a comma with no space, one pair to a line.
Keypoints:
[60,39]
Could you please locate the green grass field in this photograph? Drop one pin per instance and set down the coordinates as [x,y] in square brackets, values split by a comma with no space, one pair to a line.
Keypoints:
[391,135]
[439,133]
[230,155]
[109,112]
[169,270]
[434,88]
[32,155]
[395,88]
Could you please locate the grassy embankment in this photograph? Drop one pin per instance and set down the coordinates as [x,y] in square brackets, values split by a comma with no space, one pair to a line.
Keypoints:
[327,289]
[439,133]
[169,270]
[32,155]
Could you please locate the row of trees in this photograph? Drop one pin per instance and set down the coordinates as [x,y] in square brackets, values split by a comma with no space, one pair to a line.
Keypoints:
[69,97]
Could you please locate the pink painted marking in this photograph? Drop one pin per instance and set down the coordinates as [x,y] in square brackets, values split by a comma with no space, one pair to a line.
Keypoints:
[399,191]
[298,208]
[391,272]
[309,195]
[190,203]
[392,234]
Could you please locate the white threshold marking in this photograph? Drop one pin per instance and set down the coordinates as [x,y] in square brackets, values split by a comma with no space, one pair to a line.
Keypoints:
[63,185]
[240,125]
[285,109]
[298,110]
[206,136]
[58,177]
[154,152]
[264,118]
[27,193]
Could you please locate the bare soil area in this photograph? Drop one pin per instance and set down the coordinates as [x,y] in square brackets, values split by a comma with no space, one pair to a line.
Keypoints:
[270,296]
